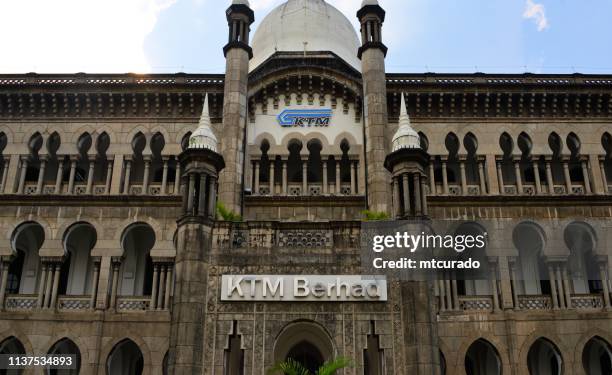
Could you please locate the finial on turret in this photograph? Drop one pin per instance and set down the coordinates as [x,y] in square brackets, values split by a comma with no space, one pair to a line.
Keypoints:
[203,137]
[406,136]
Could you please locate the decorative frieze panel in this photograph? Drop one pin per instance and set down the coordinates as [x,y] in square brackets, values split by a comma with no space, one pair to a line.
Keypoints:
[305,238]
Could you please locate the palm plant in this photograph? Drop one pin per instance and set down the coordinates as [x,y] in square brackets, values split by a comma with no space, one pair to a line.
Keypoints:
[293,367]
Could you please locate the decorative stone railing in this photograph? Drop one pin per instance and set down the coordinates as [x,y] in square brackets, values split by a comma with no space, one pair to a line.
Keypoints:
[476,303]
[296,190]
[578,190]
[21,302]
[74,303]
[587,302]
[539,302]
[133,304]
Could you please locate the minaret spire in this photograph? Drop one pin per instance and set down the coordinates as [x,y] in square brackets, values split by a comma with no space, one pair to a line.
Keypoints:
[406,136]
[203,136]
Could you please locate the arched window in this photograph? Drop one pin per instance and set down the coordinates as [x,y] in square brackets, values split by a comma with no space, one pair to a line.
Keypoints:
[77,272]
[66,346]
[11,346]
[525,144]
[544,358]
[482,359]
[529,240]
[315,166]
[157,164]
[582,265]
[470,142]
[33,167]
[424,141]
[507,165]
[136,273]
[556,146]
[597,357]
[294,164]
[83,146]
[26,241]
[3,161]
[125,359]
[345,162]
[452,146]
[139,142]
[575,165]
[606,142]
[442,363]
[101,169]
[53,160]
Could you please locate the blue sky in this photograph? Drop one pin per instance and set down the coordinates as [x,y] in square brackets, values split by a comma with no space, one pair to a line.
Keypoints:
[514,36]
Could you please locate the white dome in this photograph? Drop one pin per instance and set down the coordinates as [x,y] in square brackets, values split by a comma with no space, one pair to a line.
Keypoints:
[289,26]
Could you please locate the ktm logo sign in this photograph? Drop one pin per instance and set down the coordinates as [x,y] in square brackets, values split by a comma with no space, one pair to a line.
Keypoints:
[305,117]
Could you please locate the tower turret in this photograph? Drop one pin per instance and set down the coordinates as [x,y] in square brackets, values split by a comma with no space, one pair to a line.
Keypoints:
[237,55]
[372,54]
[201,165]
[407,163]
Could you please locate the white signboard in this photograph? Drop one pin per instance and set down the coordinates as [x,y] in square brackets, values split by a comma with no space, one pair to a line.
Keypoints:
[299,288]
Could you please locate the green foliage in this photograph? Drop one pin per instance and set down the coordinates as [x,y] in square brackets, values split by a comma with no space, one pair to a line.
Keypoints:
[292,367]
[227,215]
[375,216]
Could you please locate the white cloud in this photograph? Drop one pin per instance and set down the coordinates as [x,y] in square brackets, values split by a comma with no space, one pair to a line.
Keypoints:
[537,13]
[77,35]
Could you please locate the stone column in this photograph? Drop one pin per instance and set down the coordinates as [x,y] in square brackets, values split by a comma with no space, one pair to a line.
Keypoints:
[494,288]
[604,282]
[177,179]
[109,175]
[425,209]
[190,193]
[418,209]
[481,178]
[169,283]
[567,286]
[587,178]
[272,177]
[549,177]
[500,177]
[305,177]
[596,175]
[442,293]
[256,184]
[568,178]
[48,286]
[396,197]
[5,169]
[22,176]
[212,198]
[128,173]
[163,269]
[432,178]
[73,165]
[153,302]
[116,263]
[514,284]
[164,184]
[353,178]
[60,175]
[42,286]
[463,177]
[202,201]
[536,173]
[325,178]
[145,177]
[13,170]
[41,175]
[519,177]
[553,287]
[90,176]
[604,177]
[444,177]
[338,175]
[94,285]
[406,188]
[54,292]
[5,270]
[561,293]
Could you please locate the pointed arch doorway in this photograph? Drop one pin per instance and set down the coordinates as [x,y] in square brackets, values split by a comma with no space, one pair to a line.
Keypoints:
[306,342]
